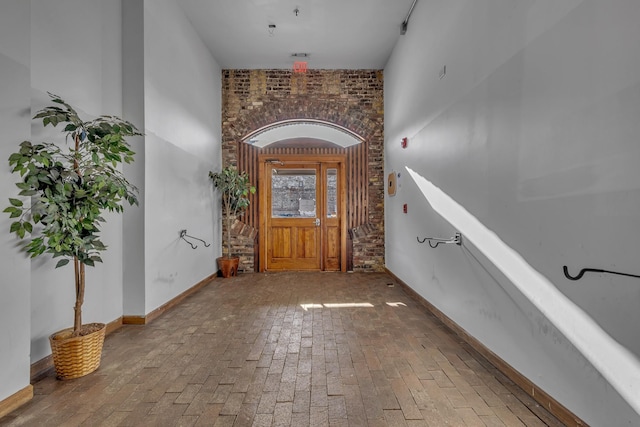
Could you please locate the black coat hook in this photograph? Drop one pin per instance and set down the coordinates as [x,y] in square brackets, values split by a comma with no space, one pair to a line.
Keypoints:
[594,270]
[183,234]
[457,239]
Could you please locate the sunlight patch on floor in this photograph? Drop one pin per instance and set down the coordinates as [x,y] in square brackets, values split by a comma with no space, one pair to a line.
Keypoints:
[306,307]
[396,304]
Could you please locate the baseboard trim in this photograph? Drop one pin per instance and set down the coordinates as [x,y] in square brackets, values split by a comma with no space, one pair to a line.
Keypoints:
[114,326]
[544,399]
[16,400]
[41,368]
[151,316]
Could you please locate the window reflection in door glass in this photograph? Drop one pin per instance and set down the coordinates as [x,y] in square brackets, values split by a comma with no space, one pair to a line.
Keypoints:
[293,193]
[332,193]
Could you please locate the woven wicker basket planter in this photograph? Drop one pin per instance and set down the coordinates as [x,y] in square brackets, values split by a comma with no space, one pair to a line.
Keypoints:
[75,357]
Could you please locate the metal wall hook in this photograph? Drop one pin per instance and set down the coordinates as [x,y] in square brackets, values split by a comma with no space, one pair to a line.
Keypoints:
[457,239]
[183,234]
[594,270]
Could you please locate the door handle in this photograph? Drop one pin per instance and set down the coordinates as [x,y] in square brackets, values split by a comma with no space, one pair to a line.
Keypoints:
[317,222]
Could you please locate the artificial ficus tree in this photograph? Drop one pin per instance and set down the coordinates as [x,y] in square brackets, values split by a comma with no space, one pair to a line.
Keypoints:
[71,184]
[235,188]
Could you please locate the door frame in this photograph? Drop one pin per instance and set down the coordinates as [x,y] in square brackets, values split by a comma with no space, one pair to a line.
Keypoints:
[264,210]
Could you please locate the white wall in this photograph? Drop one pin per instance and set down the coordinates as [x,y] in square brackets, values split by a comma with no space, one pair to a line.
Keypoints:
[182,101]
[133,109]
[533,130]
[15,119]
[172,91]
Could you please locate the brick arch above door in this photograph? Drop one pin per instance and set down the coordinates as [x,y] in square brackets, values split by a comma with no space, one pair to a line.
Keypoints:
[355,118]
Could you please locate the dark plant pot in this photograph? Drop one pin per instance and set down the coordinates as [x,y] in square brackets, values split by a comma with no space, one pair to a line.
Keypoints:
[228,266]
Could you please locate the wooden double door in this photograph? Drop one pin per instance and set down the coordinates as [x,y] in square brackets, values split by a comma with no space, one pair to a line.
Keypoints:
[302,213]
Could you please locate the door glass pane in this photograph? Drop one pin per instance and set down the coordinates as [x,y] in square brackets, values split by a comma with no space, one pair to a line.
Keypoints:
[293,193]
[332,193]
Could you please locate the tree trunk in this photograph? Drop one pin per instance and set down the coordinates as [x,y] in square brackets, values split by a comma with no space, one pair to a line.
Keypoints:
[77,309]
[229,222]
[78,266]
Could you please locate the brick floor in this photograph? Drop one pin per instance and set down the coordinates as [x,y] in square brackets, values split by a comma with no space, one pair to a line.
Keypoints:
[288,349]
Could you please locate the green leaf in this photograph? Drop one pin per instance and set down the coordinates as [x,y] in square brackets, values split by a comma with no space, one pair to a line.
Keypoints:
[16,202]
[62,262]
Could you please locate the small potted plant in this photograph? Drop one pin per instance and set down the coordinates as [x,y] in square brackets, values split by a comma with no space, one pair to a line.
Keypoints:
[71,184]
[235,188]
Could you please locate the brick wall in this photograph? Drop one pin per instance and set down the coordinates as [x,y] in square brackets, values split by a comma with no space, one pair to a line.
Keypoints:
[252,99]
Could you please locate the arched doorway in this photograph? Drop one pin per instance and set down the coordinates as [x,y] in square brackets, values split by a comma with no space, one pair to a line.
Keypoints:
[311,179]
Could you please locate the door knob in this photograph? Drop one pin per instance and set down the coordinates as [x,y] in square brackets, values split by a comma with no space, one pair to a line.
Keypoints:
[317,222]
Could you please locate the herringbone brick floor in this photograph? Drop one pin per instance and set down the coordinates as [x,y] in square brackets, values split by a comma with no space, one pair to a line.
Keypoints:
[289,349]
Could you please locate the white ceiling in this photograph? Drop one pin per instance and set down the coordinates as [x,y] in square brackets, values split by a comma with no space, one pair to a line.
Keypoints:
[337,34]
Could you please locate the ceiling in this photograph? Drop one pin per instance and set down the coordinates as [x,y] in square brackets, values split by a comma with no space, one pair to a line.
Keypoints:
[337,34]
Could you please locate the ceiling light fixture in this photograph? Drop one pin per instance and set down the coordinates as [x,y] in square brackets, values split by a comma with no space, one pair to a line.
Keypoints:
[405,23]
[271,29]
